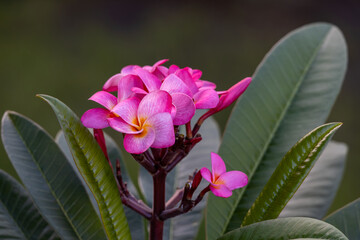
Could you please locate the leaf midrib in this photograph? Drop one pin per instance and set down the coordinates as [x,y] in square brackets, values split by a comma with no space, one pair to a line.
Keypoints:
[41,172]
[225,226]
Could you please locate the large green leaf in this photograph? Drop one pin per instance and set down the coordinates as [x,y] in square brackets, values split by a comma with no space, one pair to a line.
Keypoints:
[134,220]
[50,179]
[94,168]
[292,92]
[19,217]
[347,219]
[316,193]
[290,173]
[286,228]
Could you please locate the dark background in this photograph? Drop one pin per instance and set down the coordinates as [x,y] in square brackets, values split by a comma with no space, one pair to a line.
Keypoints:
[69,49]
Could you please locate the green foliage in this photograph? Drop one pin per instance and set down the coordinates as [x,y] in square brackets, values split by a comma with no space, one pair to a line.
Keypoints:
[347,219]
[50,179]
[289,174]
[292,92]
[317,192]
[94,168]
[19,217]
[286,228]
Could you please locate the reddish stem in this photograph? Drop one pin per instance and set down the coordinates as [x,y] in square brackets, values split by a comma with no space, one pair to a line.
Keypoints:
[156,224]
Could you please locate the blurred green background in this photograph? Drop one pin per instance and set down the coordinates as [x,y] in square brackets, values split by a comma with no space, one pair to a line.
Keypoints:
[69,49]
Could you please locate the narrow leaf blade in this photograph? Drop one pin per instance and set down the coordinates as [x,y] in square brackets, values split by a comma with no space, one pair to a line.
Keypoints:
[317,192]
[50,179]
[94,168]
[19,216]
[289,174]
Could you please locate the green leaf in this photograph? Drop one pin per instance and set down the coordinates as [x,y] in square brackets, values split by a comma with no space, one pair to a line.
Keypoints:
[94,168]
[292,92]
[286,228]
[316,193]
[50,179]
[289,174]
[347,219]
[134,220]
[19,217]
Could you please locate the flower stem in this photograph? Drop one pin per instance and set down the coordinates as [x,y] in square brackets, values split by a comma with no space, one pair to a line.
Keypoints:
[156,224]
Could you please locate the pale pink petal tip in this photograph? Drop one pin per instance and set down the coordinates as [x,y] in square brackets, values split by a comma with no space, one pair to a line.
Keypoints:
[95,118]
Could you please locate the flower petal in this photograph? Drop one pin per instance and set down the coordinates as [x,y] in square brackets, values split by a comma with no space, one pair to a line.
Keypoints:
[153,103]
[151,82]
[127,110]
[163,127]
[158,63]
[173,84]
[233,179]
[206,99]
[104,98]
[126,84]
[206,174]
[96,118]
[205,84]
[220,190]
[217,165]
[139,143]
[233,93]
[121,126]
[185,108]
[128,69]
[111,85]
[173,68]
[184,74]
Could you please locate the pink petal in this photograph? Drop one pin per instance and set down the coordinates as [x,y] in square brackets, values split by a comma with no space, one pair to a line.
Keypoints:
[173,84]
[217,165]
[205,84]
[128,69]
[139,143]
[233,179]
[206,174]
[184,75]
[163,127]
[233,93]
[173,69]
[96,118]
[151,82]
[104,98]
[196,74]
[185,108]
[126,84]
[220,190]
[206,99]
[121,126]
[111,85]
[127,110]
[160,62]
[153,103]
[139,91]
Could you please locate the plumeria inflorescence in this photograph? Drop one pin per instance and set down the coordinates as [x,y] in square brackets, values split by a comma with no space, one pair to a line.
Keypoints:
[151,103]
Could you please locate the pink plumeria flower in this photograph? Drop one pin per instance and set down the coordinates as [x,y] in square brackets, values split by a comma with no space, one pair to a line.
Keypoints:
[221,182]
[145,123]
[97,117]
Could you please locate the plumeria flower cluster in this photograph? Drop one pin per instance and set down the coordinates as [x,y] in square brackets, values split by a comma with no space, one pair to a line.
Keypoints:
[151,103]
[151,100]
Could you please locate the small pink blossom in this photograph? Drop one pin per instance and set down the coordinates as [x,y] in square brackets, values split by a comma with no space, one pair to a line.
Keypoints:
[221,182]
